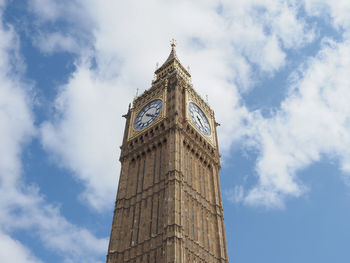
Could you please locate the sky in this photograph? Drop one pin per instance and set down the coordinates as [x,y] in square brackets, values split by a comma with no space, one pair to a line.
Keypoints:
[276,73]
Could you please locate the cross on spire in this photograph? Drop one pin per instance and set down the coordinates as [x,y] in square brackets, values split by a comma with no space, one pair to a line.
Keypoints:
[173,43]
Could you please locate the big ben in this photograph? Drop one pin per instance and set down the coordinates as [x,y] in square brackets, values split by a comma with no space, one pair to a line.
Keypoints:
[168,206]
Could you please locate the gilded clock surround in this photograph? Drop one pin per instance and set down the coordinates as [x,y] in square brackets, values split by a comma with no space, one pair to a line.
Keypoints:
[139,105]
[192,96]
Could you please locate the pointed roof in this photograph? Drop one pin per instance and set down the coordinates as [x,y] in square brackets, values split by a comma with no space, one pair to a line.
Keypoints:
[172,54]
[172,58]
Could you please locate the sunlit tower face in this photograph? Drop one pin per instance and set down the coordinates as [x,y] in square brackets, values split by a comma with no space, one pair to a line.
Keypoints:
[169,206]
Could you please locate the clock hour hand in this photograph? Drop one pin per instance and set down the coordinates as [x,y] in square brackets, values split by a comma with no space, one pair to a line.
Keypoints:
[200,121]
[149,115]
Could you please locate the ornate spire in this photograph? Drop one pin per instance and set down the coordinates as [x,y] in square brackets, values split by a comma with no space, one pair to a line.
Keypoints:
[173,51]
[172,61]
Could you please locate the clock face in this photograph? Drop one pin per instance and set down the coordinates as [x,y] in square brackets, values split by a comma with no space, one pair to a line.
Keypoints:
[148,114]
[199,119]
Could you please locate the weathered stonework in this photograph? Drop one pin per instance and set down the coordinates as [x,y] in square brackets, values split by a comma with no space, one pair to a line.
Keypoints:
[169,206]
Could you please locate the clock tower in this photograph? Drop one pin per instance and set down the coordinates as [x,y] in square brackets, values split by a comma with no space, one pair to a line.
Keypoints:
[169,207]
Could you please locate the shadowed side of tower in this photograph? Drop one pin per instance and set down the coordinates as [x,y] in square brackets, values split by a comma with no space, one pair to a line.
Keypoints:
[169,206]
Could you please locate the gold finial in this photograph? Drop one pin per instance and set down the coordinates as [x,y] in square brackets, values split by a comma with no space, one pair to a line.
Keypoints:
[173,43]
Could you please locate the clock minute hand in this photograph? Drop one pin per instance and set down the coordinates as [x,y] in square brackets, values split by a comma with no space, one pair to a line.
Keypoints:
[149,115]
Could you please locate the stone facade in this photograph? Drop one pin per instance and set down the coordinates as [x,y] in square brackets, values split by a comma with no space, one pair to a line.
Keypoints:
[169,206]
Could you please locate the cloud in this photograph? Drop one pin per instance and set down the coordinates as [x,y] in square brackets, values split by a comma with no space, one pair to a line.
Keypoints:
[336,11]
[59,26]
[235,195]
[87,132]
[22,207]
[13,251]
[313,121]
[16,120]
[263,30]
[55,42]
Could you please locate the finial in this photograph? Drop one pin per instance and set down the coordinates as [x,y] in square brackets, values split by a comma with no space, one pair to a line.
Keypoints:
[207,98]
[137,92]
[157,65]
[173,43]
[188,69]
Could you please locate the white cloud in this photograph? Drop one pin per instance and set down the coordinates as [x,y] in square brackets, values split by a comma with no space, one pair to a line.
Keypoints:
[292,30]
[263,30]
[235,195]
[60,26]
[87,132]
[56,42]
[50,10]
[16,120]
[313,121]
[22,207]
[337,11]
[13,251]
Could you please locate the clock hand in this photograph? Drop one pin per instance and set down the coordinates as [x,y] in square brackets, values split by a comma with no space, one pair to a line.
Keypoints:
[200,121]
[149,115]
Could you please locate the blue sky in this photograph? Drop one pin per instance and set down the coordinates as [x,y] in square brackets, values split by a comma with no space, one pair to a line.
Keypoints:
[276,73]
